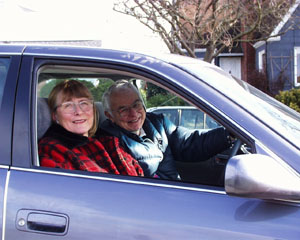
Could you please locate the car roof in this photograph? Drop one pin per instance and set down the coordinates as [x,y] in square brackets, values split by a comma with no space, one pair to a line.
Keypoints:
[11,49]
[95,52]
[169,108]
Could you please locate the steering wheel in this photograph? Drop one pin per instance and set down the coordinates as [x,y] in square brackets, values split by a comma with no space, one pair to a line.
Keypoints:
[236,146]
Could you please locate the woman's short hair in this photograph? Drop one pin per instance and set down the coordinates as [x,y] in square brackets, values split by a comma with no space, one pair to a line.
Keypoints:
[68,90]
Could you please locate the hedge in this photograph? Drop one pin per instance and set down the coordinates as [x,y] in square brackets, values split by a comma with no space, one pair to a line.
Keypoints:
[290,98]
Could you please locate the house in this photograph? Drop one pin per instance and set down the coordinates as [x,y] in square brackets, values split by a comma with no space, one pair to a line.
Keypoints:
[239,62]
[268,65]
[279,57]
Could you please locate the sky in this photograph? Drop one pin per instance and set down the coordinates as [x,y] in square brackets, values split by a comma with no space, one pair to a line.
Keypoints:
[46,20]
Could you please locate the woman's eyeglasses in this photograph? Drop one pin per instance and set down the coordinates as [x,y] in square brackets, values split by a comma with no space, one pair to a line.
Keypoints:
[70,107]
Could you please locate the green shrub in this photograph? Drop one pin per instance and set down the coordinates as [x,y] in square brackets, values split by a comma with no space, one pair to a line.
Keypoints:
[290,98]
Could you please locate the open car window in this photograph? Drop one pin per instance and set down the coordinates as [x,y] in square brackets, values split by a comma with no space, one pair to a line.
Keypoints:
[156,96]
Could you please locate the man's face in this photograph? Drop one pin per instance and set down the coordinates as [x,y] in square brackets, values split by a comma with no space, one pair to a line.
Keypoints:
[127,110]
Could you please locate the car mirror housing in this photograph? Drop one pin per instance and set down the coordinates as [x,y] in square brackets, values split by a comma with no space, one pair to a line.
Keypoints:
[260,176]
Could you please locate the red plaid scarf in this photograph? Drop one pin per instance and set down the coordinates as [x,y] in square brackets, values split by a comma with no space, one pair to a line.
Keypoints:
[88,154]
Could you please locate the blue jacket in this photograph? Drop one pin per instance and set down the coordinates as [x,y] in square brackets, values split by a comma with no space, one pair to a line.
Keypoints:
[166,143]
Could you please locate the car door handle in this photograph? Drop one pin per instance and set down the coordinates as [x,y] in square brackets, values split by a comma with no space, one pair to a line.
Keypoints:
[42,222]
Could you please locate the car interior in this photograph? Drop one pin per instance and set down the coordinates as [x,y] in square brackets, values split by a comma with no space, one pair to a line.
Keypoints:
[210,172]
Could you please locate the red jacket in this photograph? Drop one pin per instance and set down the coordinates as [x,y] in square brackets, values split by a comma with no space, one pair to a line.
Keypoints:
[60,148]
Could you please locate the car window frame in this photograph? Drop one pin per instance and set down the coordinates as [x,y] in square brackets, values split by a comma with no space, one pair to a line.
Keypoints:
[7,110]
[31,77]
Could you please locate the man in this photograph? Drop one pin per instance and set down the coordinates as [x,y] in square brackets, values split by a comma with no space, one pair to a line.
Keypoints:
[152,139]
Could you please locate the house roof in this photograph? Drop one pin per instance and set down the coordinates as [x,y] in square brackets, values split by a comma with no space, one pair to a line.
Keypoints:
[278,28]
[285,19]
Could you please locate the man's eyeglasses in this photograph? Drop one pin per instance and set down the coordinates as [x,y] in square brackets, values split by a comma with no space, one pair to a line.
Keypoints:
[124,111]
[70,107]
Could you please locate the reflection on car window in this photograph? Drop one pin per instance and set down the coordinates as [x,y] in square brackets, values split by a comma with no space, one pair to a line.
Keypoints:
[192,118]
[211,123]
[172,114]
[186,116]
[4,64]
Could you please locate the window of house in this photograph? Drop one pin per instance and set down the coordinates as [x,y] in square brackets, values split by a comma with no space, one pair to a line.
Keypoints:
[297,66]
[262,61]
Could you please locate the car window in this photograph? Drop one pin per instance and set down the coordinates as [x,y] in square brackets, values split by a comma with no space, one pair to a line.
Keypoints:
[210,122]
[4,64]
[188,117]
[192,118]
[156,97]
[171,114]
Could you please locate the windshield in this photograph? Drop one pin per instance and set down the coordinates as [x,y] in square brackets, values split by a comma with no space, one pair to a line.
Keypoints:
[279,117]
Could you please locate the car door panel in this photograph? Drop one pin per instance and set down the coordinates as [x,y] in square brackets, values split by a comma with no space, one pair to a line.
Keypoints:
[23,123]
[108,208]
[3,175]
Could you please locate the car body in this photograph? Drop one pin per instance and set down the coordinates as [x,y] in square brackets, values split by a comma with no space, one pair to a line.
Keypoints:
[186,116]
[260,198]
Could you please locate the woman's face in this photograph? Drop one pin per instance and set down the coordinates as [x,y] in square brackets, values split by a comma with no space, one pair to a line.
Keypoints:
[76,114]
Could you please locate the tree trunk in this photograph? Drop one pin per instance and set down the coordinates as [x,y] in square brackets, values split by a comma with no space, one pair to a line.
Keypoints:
[209,54]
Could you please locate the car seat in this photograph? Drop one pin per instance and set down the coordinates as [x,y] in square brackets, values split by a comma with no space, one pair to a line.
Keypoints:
[43,116]
[99,107]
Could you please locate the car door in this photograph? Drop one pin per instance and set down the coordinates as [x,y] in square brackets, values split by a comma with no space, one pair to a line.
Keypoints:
[45,203]
[9,67]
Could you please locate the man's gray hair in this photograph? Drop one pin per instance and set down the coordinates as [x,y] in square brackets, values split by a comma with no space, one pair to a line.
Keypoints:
[117,85]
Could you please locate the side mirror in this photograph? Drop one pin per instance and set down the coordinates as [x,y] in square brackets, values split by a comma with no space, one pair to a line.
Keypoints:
[260,176]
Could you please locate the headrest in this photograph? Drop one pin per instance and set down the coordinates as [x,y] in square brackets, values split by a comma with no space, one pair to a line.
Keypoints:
[100,108]
[43,116]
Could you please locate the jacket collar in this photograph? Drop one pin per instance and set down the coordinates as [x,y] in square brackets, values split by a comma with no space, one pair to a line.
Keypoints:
[68,139]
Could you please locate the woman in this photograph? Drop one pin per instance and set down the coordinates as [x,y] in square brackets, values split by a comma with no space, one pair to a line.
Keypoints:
[69,141]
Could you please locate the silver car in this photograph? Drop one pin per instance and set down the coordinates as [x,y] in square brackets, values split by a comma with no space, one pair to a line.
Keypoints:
[259,197]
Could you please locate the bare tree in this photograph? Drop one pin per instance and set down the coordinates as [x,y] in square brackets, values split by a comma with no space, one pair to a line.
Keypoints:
[185,25]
